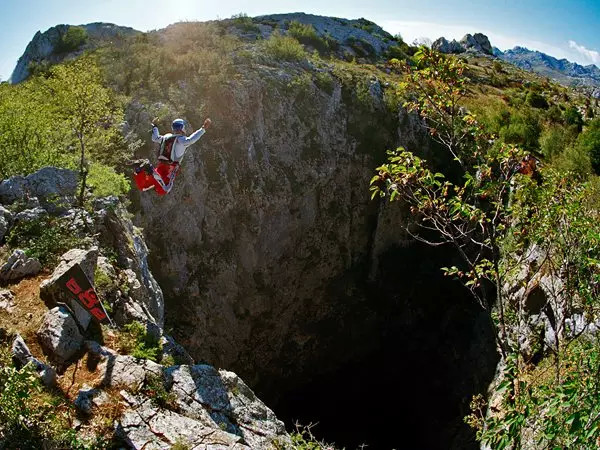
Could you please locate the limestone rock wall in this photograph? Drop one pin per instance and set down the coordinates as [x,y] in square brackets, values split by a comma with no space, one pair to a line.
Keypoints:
[265,245]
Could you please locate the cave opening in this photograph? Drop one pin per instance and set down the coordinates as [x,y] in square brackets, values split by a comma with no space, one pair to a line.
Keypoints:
[433,350]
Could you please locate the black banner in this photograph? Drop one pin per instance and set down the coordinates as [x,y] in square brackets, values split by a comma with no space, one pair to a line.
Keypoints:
[76,282]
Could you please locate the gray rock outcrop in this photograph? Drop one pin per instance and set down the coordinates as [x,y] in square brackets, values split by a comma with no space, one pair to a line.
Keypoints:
[144,301]
[21,353]
[6,218]
[144,426]
[18,266]
[442,45]
[88,398]
[477,43]
[7,300]
[48,183]
[59,335]
[121,370]
[52,291]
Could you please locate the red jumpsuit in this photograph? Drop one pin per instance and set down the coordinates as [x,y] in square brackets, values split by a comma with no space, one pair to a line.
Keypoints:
[161,178]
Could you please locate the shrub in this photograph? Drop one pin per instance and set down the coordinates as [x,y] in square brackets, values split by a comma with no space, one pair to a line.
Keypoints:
[136,340]
[361,47]
[554,140]
[154,388]
[286,48]
[104,181]
[306,34]
[245,23]
[31,417]
[71,40]
[573,117]
[45,239]
[536,100]
[589,142]
[324,81]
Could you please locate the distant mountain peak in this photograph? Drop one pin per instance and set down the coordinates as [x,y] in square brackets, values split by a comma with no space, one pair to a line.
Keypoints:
[561,70]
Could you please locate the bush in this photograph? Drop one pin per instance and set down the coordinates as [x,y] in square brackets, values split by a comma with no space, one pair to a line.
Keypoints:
[324,81]
[306,34]
[536,100]
[136,341]
[104,181]
[71,40]
[573,117]
[45,239]
[589,142]
[154,388]
[524,129]
[286,48]
[245,23]
[554,140]
[361,47]
[31,417]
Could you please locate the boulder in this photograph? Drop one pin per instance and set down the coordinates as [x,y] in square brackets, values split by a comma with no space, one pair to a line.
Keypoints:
[145,426]
[477,43]
[29,215]
[23,356]
[5,222]
[203,393]
[88,398]
[7,298]
[51,290]
[59,335]
[46,183]
[121,370]
[19,266]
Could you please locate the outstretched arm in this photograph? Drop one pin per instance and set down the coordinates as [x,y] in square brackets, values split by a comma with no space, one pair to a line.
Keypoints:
[156,137]
[192,138]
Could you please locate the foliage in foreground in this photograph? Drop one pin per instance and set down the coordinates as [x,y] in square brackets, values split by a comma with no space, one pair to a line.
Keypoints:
[33,417]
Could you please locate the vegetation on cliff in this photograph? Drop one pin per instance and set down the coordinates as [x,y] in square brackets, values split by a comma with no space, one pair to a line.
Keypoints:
[498,210]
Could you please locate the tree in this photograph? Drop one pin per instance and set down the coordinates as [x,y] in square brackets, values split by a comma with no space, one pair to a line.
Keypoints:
[71,40]
[589,142]
[495,216]
[472,214]
[86,108]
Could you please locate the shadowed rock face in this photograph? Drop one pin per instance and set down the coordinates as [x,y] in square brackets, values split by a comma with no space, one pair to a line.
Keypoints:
[269,249]
[264,247]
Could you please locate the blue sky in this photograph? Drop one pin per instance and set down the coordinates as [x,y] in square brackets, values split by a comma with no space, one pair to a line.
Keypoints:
[562,28]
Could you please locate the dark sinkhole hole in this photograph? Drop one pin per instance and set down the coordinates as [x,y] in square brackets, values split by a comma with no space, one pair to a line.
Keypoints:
[433,351]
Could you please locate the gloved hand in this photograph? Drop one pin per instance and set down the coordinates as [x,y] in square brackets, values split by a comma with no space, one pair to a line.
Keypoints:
[207,123]
[155,122]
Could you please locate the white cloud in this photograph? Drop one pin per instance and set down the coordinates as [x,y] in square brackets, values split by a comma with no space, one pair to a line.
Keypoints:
[411,30]
[592,56]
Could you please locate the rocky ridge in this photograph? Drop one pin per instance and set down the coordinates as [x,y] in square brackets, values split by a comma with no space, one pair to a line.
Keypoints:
[562,70]
[43,46]
[477,43]
[209,408]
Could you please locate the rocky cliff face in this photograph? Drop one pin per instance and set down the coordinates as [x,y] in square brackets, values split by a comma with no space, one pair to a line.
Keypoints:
[268,239]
